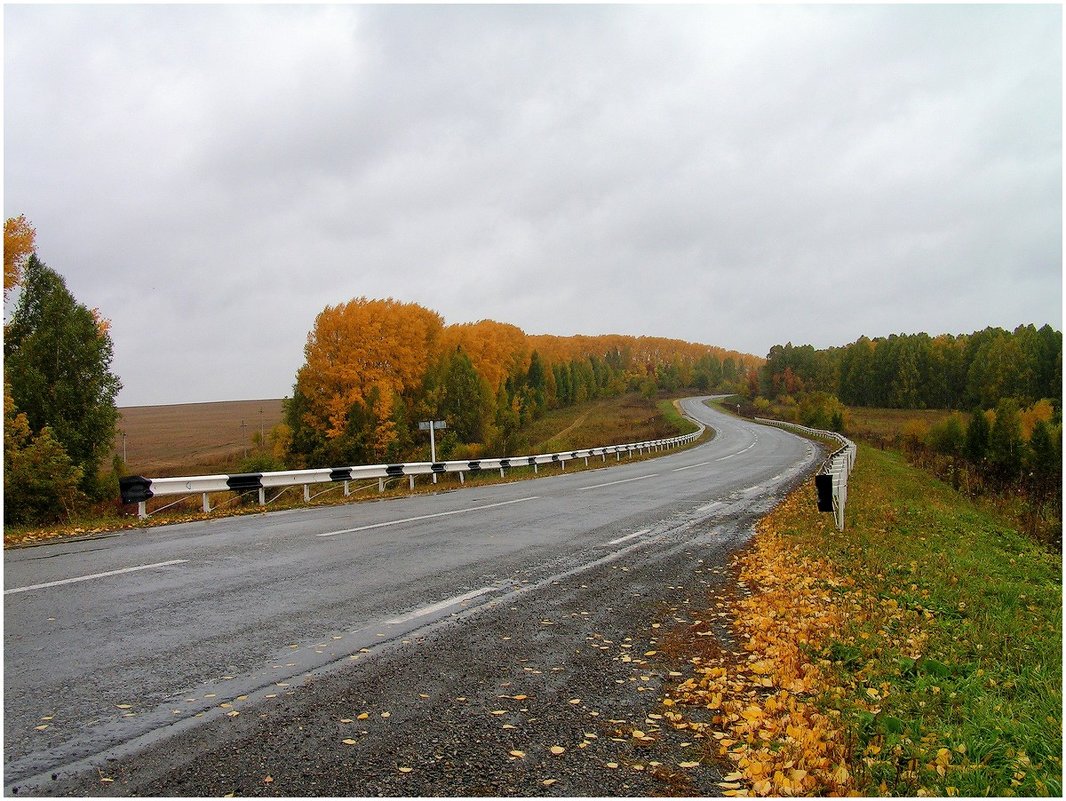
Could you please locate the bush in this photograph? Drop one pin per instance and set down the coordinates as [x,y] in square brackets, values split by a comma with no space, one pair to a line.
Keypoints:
[41,482]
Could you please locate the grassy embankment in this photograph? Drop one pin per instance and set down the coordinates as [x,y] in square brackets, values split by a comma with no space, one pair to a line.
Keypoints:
[174,448]
[919,652]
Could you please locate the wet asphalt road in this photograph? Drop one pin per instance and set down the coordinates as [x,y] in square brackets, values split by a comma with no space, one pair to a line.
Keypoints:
[240,656]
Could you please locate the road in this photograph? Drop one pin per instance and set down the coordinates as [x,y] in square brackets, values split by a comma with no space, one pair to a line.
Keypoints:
[223,656]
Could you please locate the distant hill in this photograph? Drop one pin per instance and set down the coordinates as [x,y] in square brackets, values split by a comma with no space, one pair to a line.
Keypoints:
[192,438]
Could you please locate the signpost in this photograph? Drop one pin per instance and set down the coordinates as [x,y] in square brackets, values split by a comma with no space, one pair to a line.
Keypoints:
[431,426]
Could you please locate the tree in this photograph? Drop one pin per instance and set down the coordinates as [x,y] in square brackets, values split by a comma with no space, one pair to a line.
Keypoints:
[19,238]
[948,436]
[358,346]
[1005,443]
[977,437]
[40,481]
[58,355]
[468,401]
[1044,459]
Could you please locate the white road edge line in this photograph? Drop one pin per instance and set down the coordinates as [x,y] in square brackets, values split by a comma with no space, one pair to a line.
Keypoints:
[428,610]
[425,517]
[629,536]
[93,576]
[612,483]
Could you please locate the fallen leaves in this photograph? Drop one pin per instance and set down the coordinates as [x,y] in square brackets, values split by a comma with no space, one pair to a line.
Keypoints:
[779,743]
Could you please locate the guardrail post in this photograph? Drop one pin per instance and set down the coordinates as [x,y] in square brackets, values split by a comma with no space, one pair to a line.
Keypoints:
[142,510]
[207,503]
[347,490]
[307,492]
[381,485]
[262,496]
[411,482]
[461,479]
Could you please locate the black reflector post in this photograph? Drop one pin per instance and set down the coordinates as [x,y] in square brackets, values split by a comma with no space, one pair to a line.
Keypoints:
[824,484]
[242,482]
[135,489]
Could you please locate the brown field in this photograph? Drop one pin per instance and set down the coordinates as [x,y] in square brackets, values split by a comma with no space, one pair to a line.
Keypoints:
[188,439]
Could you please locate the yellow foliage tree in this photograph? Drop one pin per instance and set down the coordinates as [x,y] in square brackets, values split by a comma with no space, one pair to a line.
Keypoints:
[496,350]
[361,345]
[19,243]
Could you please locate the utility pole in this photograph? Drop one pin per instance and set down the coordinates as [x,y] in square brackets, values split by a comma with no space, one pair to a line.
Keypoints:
[431,426]
[245,441]
[262,435]
[123,447]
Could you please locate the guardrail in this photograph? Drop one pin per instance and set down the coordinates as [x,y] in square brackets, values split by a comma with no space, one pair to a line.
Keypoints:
[831,481]
[138,489]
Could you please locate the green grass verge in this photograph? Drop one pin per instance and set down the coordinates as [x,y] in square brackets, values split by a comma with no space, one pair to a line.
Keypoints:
[949,674]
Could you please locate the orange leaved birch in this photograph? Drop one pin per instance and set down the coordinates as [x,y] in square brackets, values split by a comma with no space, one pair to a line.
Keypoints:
[359,345]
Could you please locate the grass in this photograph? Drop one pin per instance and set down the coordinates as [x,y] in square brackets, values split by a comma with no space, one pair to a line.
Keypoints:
[948,670]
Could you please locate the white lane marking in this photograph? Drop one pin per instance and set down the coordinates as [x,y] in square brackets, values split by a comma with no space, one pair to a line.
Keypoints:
[730,456]
[93,576]
[428,610]
[629,536]
[612,483]
[426,517]
[679,469]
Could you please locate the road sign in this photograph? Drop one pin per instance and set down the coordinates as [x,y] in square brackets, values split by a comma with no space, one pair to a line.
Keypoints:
[436,424]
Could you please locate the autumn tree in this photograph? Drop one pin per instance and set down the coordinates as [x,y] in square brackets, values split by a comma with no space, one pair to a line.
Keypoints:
[496,350]
[19,242]
[360,357]
[57,356]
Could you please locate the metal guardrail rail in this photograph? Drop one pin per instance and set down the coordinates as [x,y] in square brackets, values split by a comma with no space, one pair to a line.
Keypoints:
[138,489]
[831,480]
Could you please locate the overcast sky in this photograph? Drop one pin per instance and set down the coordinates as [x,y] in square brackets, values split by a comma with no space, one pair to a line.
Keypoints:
[211,177]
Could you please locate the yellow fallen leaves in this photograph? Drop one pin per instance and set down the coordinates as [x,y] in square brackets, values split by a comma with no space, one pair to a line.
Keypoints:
[558,750]
[779,744]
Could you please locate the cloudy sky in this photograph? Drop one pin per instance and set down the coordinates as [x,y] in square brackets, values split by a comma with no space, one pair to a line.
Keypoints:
[211,177]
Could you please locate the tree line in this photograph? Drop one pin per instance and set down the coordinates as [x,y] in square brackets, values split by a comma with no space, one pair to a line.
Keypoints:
[375,368]
[917,371]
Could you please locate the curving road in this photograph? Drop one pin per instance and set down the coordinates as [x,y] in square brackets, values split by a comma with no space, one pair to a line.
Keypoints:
[165,655]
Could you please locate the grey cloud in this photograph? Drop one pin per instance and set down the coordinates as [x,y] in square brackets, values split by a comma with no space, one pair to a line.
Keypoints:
[213,176]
